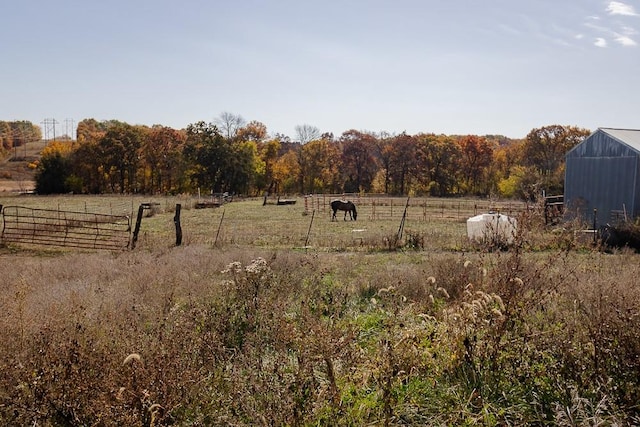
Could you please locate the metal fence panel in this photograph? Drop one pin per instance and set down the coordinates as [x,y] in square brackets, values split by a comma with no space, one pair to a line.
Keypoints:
[65,228]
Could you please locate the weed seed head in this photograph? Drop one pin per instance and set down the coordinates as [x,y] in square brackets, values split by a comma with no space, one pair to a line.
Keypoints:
[132,358]
[444,292]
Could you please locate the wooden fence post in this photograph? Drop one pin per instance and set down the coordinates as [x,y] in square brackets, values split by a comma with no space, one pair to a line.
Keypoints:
[137,228]
[306,242]
[215,242]
[176,221]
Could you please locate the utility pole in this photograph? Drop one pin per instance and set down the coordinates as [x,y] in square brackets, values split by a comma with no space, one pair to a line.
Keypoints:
[68,128]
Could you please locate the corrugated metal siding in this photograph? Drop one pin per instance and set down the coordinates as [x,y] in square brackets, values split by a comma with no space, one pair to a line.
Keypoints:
[604,183]
[605,143]
[630,137]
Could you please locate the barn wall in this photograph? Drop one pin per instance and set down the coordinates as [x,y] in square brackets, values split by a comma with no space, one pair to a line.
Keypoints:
[600,144]
[607,184]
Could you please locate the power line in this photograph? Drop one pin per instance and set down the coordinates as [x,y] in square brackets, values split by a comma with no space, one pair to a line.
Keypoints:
[49,127]
[68,128]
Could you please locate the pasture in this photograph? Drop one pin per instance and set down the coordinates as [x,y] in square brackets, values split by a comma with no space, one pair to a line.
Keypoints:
[305,224]
[276,315]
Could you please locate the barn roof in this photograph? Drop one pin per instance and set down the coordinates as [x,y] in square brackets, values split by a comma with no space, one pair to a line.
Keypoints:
[631,137]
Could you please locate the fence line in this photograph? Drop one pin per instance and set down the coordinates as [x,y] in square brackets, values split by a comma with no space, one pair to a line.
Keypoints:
[382,207]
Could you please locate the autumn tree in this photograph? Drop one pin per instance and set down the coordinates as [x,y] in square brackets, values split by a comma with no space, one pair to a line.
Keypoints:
[6,136]
[105,156]
[252,136]
[402,163]
[119,151]
[53,171]
[545,147]
[253,131]
[438,163]
[164,163]
[476,154]
[286,171]
[87,167]
[268,153]
[359,164]
[513,177]
[15,134]
[384,152]
[91,130]
[321,166]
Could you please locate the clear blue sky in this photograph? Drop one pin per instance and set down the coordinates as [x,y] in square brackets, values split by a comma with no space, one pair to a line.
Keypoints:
[448,66]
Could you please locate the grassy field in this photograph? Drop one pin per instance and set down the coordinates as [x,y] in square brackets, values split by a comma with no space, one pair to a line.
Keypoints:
[276,315]
[438,224]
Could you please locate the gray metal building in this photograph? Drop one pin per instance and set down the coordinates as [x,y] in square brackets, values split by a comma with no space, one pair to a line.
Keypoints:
[603,173]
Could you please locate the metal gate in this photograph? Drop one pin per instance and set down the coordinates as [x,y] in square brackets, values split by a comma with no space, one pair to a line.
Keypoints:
[65,228]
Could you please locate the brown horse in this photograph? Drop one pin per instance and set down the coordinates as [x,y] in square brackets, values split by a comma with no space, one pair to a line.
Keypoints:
[347,207]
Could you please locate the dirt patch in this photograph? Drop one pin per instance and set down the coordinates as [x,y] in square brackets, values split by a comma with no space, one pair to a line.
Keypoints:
[12,186]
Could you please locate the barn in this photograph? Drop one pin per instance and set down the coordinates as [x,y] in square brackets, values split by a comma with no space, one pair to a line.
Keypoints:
[603,174]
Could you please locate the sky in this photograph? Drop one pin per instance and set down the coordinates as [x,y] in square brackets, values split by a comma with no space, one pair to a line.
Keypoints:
[455,67]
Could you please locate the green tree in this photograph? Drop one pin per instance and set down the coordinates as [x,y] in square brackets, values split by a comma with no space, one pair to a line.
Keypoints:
[87,167]
[208,153]
[119,151]
[240,171]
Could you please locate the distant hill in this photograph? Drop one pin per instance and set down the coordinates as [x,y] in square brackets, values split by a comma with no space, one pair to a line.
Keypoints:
[15,174]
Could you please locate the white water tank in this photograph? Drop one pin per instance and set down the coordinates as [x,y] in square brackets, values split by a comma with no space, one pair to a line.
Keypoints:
[492,227]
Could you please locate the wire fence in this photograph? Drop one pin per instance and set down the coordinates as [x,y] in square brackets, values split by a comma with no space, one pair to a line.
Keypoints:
[381,207]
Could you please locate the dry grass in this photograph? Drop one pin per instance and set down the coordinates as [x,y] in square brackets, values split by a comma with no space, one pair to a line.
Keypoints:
[256,330]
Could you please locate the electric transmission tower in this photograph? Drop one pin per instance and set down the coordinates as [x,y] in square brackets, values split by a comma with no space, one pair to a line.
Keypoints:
[49,127]
[68,128]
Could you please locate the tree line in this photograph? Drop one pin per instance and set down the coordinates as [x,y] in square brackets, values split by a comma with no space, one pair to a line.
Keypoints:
[14,134]
[231,155]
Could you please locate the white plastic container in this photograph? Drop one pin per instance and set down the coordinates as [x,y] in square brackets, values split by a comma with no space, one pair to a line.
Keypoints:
[492,227]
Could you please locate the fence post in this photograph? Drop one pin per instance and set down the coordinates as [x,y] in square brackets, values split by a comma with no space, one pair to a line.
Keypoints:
[595,224]
[306,242]
[215,242]
[137,228]
[176,221]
